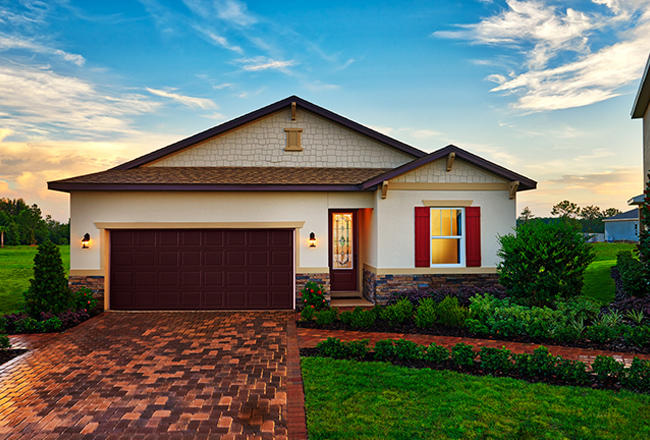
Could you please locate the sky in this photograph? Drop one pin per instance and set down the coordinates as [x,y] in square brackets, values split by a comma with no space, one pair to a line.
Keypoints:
[544,88]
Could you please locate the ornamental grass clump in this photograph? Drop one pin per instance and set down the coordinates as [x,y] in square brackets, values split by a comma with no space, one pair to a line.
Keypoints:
[313,296]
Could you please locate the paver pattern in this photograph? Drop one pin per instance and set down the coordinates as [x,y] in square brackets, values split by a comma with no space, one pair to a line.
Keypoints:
[308,338]
[179,375]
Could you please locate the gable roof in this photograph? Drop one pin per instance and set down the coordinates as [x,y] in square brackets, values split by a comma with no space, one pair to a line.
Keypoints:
[524,182]
[643,95]
[265,111]
[632,214]
[220,178]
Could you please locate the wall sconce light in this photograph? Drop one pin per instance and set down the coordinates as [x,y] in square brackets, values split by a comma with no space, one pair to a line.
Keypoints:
[85,241]
[312,240]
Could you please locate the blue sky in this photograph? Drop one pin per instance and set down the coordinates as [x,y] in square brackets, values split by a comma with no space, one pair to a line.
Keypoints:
[541,87]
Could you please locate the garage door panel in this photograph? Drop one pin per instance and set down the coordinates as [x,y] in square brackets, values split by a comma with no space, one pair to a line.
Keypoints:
[201,269]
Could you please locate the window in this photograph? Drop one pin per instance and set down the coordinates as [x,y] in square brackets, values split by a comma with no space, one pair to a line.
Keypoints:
[448,237]
[447,240]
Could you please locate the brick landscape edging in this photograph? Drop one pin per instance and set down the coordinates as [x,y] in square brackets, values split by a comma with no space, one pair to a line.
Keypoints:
[296,417]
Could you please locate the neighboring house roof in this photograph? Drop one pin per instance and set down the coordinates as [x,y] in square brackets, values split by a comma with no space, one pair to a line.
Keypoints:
[524,182]
[265,111]
[643,95]
[636,200]
[221,178]
[632,214]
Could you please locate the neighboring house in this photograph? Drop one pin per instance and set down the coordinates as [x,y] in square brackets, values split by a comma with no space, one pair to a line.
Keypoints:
[623,227]
[241,215]
[640,110]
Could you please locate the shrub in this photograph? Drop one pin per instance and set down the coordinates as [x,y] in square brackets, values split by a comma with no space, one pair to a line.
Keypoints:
[307,314]
[327,316]
[334,348]
[542,362]
[637,377]
[639,336]
[3,324]
[632,274]
[48,290]
[83,299]
[28,325]
[4,341]
[52,324]
[607,367]
[313,295]
[357,349]
[567,333]
[436,353]
[495,360]
[384,349]
[475,326]
[542,263]
[601,333]
[450,313]
[463,354]
[483,306]
[72,318]
[572,371]
[399,312]
[425,315]
[362,318]
[464,294]
[523,364]
[408,350]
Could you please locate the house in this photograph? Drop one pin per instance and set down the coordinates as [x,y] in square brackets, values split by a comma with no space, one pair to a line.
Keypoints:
[242,215]
[623,227]
[640,110]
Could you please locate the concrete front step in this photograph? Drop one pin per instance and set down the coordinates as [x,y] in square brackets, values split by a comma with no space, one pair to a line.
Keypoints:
[346,294]
[350,302]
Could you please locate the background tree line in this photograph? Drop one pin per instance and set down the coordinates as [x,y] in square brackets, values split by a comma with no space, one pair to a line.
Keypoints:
[590,218]
[24,224]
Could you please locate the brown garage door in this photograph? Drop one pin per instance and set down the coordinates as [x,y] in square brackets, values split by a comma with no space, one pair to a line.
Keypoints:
[191,269]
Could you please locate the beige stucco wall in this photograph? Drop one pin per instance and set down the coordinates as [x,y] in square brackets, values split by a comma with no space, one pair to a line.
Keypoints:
[184,208]
[395,220]
[262,144]
[461,172]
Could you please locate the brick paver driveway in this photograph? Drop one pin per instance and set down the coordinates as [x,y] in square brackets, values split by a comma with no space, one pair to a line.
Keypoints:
[152,375]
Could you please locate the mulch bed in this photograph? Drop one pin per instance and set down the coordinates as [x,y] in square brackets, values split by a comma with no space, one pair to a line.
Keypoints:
[410,328]
[8,354]
[478,371]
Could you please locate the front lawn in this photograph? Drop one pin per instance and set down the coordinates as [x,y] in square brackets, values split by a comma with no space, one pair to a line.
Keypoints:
[599,284]
[16,269]
[357,400]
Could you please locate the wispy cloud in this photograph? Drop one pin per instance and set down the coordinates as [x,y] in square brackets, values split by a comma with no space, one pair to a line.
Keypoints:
[8,42]
[214,38]
[562,67]
[264,63]
[187,101]
[232,11]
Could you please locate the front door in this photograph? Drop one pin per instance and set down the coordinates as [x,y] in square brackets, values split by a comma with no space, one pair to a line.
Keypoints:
[343,250]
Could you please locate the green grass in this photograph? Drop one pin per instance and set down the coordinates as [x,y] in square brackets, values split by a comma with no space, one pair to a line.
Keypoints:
[16,269]
[599,285]
[355,400]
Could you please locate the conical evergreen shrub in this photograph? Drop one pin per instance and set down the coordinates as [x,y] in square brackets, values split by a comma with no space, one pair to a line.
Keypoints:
[48,291]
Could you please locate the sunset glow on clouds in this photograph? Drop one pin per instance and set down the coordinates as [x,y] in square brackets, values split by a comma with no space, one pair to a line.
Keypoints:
[542,87]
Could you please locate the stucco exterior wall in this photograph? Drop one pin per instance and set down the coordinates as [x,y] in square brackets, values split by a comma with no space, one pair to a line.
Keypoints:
[646,145]
[622,230]
[461,172]
[395,217]
[262,143]
[88,208]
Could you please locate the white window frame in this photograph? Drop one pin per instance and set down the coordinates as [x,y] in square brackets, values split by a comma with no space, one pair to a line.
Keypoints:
[462,256]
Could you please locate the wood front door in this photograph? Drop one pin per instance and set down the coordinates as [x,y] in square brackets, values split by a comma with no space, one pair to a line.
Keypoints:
[343,250]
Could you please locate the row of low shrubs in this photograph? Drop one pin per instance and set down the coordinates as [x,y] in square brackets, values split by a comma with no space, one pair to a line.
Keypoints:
[633,277]
[498,361]
[575,320]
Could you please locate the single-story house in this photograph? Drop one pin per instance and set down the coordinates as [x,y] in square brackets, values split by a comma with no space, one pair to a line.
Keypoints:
[623,226]
[640,111]
[242,215]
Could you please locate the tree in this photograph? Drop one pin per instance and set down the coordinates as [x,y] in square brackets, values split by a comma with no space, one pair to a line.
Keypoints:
[526,215]
[611,212]
[542,263]
[48,290]
[644,235]
[566,209]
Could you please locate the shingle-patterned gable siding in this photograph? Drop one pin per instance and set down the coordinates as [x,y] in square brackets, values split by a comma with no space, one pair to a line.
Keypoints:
[436,172]
[262,144]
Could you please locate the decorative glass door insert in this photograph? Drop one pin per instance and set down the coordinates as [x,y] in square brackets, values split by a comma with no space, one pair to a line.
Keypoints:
[342,240]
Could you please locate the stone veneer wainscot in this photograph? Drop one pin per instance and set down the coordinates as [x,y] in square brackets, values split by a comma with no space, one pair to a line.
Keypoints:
[94,283]
[318,278]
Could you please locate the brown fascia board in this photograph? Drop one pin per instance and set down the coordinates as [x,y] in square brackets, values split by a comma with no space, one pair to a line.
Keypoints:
[68,187]
[524,182]
[272,108]
[643,95]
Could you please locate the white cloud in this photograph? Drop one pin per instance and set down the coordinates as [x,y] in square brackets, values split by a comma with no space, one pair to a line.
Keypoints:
[13,42]
[265,63]
[562,67]
[187,101]
[218,39]
[232,11]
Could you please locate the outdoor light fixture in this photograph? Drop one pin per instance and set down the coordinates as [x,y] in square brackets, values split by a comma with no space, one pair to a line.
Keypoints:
[312,240]
[85,241]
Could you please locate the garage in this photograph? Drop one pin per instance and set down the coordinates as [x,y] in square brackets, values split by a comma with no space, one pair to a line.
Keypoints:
[201,269]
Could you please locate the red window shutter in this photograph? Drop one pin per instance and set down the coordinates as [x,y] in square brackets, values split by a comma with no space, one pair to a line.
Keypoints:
[422,237]
[473,236]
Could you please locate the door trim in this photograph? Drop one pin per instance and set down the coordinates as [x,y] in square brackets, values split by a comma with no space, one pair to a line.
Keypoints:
[355,247]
